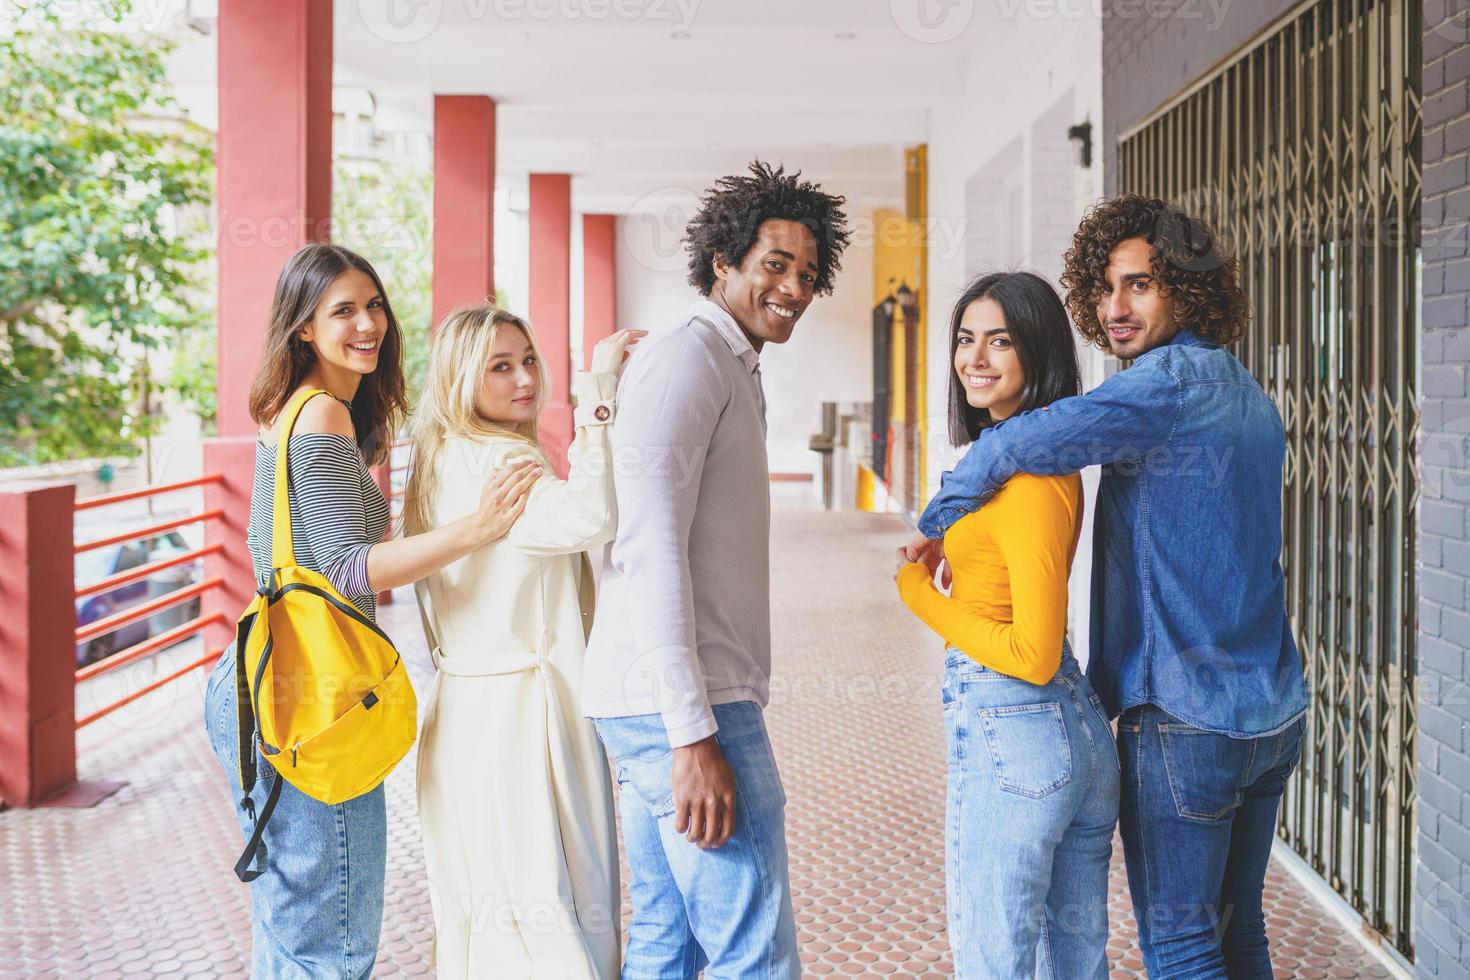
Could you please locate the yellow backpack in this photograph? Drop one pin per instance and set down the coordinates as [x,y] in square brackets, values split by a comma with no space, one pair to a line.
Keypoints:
[320,687]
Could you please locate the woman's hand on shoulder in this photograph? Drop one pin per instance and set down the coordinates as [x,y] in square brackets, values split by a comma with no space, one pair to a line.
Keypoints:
[504,497]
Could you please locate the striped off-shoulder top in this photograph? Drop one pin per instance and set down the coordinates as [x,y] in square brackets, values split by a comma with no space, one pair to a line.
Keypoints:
[337,512]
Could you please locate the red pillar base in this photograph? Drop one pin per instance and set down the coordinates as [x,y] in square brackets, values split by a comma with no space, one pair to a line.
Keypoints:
[38,758]
[79,796]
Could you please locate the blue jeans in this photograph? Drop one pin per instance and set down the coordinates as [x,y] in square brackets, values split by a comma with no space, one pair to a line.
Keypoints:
[1031,807]
[1198,820]
[318,908]
[728,910]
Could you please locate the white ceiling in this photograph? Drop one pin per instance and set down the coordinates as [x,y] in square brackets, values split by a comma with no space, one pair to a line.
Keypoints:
[645,99]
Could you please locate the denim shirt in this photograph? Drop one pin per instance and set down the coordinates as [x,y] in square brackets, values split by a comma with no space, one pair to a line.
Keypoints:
[1188,597]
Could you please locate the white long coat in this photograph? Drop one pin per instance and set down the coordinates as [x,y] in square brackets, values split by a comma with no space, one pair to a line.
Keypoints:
[513,786]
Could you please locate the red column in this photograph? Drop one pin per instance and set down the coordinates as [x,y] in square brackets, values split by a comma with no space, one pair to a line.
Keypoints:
[464,201]
[551,304]
[37,645]
[599,279]
[38,758]
[274,170]
[234,459]
[274,189]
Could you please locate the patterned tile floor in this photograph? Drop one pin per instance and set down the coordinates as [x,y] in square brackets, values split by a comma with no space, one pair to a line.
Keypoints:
[141,884]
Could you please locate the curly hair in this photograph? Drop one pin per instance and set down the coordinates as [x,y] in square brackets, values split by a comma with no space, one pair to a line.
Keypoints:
[1188,262]
[731,213]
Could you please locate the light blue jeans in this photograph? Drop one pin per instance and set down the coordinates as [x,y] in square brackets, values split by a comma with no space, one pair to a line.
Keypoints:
[726,911]
[318,908]
[1031,808]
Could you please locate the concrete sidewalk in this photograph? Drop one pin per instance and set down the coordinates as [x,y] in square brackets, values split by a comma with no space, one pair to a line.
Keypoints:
[142,884]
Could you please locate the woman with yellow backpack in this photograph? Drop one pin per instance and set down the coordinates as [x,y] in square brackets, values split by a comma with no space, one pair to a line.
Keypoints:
[310,708]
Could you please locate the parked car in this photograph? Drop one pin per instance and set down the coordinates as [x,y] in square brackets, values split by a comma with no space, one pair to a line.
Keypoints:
[99,563]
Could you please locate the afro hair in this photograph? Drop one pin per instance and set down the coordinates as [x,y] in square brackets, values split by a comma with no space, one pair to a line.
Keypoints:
[731,213]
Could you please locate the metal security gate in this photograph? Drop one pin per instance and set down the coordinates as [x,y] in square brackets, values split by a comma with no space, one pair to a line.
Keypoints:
[1303,152]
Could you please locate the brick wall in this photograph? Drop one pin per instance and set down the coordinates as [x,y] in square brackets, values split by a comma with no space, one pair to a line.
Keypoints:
[1153,48]
[1442,924]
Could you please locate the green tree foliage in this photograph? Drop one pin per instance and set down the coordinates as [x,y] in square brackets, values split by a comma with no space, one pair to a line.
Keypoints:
[98,179]
[382,210]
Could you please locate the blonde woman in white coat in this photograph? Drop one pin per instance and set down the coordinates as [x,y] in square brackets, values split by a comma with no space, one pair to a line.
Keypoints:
[513,787]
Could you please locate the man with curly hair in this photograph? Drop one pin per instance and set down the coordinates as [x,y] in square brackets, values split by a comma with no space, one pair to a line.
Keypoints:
[1190,640]
[678,664]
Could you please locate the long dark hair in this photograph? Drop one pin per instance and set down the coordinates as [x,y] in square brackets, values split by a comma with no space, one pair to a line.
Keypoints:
[1038,326]
[380,401]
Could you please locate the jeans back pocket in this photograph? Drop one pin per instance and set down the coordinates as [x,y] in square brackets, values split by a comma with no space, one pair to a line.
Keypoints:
[1206,771]
[651,779]
[1029,747]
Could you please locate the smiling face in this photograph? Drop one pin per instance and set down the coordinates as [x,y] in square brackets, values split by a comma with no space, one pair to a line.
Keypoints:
[772,287]
[347,329]
[1137,316]
[512,380]
[986,361]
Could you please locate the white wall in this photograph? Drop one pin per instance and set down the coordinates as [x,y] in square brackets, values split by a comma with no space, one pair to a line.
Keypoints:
[1004,193]
[829,358]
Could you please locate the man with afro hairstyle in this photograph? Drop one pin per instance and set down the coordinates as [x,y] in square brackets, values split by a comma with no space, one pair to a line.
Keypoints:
[678,664]
[1190,640]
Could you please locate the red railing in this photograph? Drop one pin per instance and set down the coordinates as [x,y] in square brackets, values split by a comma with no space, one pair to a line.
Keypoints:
[145,571]
[134,614]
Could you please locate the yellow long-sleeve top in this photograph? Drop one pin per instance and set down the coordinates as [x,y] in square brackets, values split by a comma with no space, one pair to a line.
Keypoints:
[1011,559]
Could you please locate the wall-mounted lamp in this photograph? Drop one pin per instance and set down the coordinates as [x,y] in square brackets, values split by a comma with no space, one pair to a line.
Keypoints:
[1081,135]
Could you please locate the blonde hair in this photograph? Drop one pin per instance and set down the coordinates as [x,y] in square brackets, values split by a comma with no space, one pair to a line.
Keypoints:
[459,356]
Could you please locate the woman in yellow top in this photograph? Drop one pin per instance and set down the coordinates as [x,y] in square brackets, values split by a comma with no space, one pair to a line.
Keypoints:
[1033,772]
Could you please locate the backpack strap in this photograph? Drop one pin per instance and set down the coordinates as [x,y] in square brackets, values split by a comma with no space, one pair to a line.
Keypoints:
[282,552]
[252,863]
[245,720]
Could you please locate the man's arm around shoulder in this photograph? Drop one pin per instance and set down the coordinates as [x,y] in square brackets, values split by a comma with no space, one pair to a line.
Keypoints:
[1126,416]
